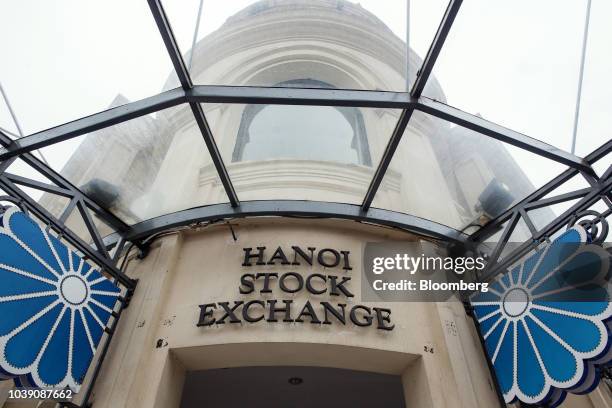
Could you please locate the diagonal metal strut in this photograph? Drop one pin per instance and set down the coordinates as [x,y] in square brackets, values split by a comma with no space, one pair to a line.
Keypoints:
[285,96]
[419,84]
[163,24]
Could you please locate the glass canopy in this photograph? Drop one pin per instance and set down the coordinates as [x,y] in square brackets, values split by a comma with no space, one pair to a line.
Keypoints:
[62,60]
[319,153]
[313,39]
[216,104]
[141,163]
[468,163]
[516,64]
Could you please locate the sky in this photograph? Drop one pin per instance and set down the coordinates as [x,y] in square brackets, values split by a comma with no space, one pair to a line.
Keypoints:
[513,62]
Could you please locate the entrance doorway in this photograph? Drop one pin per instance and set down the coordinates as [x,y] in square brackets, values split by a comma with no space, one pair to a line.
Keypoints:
[290,387]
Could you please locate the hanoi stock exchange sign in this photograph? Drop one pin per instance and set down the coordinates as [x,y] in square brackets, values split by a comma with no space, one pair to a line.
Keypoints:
[331,281]
[546,322]
[54,307]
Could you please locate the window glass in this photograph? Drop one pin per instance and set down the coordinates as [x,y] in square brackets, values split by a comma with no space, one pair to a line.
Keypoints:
[283,132]
[282,152]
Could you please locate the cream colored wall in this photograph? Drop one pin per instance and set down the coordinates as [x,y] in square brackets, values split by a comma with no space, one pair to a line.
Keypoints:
[196,267]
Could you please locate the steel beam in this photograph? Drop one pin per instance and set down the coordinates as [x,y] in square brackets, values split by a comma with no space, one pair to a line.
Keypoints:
[63,183]
[258,95]
[599,189]
[38,211]
[387,156]
[6,163]
[436,46]
[561,198]
[537,195]
[163,24]
[599,153]
[603,187]
[68,210]
[92,229]
[501,133]
[215,154]
[286,96]
[92,123]
[48,188]
[503,240]
[165,30]
[207,94]
[290,208]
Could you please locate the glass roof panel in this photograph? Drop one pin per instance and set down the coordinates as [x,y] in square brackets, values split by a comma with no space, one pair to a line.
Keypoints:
[425,18]
[517,64]
[345,44]
[317,153]
[143,168]
[594,125]
[442,172]
[62,60]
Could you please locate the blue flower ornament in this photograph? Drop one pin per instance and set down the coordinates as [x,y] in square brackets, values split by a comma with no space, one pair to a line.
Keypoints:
[546,321]
[54,307]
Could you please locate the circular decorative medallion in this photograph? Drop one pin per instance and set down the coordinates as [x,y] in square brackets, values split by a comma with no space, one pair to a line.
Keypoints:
[516,302]
[546,321]
[54,307]
[74,289]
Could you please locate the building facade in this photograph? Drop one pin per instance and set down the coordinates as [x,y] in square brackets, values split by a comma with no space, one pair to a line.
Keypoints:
[188,334]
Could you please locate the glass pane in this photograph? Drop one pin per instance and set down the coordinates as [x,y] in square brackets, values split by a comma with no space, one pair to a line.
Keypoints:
[594,125]
[516,63]
[314,153]
[425,17]
[344,44]
[66,59]
[452,175]
[143,168]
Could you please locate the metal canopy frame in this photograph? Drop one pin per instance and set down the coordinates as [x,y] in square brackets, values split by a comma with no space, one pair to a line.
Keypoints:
[291,208]
[290,96]
[195,95]
[106,252]
[599,190]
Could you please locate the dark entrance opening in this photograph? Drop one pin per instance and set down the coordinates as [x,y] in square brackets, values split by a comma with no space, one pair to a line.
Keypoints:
[294,387]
